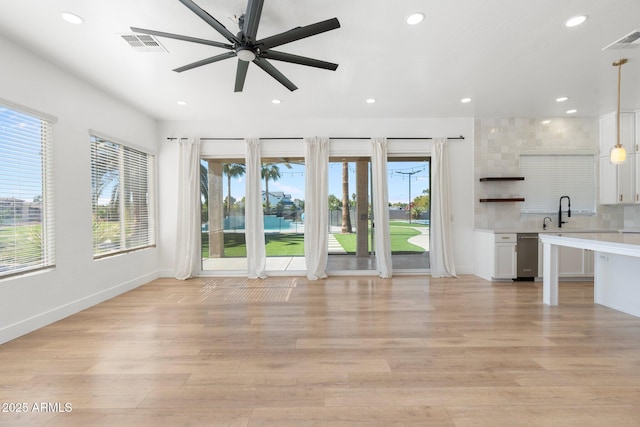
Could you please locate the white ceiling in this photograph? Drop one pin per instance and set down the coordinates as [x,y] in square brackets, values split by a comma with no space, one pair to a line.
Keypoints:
[512,57]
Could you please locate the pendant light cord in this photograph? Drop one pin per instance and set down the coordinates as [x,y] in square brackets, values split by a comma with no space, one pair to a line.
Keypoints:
[619,64]
[619,85]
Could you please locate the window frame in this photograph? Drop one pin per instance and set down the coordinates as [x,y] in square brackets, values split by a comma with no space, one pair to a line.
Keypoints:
[39,157]
[150,167]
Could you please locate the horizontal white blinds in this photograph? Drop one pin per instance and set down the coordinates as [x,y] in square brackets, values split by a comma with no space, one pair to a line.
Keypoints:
[26,192]
[122,180]
[551,176]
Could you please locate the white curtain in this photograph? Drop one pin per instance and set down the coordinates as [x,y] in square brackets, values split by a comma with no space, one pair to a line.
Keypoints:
[188,229]
[381,232]
[441,241]
[254,222]
[316,207]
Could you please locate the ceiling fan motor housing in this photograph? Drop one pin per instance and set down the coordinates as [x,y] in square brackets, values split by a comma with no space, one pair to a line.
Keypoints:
[245,53]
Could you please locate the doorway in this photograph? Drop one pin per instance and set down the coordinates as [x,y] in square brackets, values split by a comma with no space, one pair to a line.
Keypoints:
[222,197]
[283,189]
[409,188]
[350,213]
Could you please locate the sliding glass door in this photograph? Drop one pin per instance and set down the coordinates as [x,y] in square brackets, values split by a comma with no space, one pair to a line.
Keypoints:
[283,185]
[409,212]
[222,189]
[350,215]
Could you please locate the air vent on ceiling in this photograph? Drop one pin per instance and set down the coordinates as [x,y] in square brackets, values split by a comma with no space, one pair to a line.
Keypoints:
[144,43]
[629,41]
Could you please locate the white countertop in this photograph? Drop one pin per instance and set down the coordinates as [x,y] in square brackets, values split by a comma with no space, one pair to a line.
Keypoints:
[548,230]
[615,243]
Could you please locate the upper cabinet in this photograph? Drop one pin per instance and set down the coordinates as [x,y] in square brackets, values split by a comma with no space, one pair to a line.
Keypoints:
[637,158]
[618,183]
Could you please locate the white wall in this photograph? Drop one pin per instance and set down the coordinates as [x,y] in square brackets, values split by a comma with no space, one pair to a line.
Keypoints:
[498,143]
[31,301]
[461,158]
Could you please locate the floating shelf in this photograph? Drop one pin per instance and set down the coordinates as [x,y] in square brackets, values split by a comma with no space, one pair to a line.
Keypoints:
[502,178]
[506,199]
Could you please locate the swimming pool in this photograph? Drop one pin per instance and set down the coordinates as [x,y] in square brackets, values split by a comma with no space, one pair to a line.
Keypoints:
[272,223]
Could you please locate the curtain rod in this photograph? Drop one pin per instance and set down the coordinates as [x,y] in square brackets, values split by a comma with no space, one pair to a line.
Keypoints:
[333,137]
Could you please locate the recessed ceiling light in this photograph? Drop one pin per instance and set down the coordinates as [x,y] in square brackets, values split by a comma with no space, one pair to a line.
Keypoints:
[546,122]
[572,111]
[371,101]
[72,18]
[575,21]
[562,99]
[465,100]
[276,101]
[415,18]
[181,103]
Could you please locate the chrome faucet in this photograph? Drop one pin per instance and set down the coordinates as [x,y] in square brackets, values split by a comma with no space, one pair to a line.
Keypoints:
[560,221]
[544,222]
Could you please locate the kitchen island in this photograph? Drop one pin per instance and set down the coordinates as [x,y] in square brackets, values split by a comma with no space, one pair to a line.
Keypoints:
[617,267]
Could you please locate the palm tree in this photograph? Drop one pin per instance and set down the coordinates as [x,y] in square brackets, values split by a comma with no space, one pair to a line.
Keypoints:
[232,170]
[204,184]
[269,172]
[346,217]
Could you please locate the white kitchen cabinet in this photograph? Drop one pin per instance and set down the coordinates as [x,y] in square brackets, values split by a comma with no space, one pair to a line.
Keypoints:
[590,261]
[571,262]
[505,256]
[608,182]
[637,159]
[618,182]
[627,177]
[495,255]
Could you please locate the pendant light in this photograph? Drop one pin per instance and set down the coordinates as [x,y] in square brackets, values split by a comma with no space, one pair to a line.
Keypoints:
[618,153]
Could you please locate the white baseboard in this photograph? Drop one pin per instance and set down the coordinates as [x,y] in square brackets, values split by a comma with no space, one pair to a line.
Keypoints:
[166,274]
[33,323]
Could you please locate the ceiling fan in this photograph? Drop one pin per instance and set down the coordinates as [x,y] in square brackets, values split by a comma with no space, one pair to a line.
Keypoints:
[247,48]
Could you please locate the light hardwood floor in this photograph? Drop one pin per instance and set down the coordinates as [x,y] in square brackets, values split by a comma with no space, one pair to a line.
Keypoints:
[339,352]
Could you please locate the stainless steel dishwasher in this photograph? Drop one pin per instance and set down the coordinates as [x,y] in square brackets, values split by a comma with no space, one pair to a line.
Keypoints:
[527,256]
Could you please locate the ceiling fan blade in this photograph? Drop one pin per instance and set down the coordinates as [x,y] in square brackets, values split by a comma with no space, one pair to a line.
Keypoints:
[299,33]
[181,37]
[273,72]
[210,20]
[252,19]
[206,61]
[241,75]
[296,59]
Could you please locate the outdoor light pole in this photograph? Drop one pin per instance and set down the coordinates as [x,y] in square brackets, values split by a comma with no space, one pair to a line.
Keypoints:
[410,175]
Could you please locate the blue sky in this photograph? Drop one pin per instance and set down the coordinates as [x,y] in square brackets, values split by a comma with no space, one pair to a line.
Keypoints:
[292,181]
[20,171]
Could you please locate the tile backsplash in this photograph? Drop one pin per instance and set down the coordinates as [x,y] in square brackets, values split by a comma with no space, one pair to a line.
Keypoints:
[498,143]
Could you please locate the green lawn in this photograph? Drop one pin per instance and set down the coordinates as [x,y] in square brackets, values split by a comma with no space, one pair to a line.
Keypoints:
[400,235]
[286,244]
[290,244]
[23,242]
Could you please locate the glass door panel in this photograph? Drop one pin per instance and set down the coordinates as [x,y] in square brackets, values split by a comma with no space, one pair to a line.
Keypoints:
[222,199]
[283,184]
[409,209]
[350,215]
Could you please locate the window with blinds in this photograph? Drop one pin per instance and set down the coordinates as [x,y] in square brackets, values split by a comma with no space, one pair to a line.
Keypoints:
[551,176]
[26,192]
[122,182]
